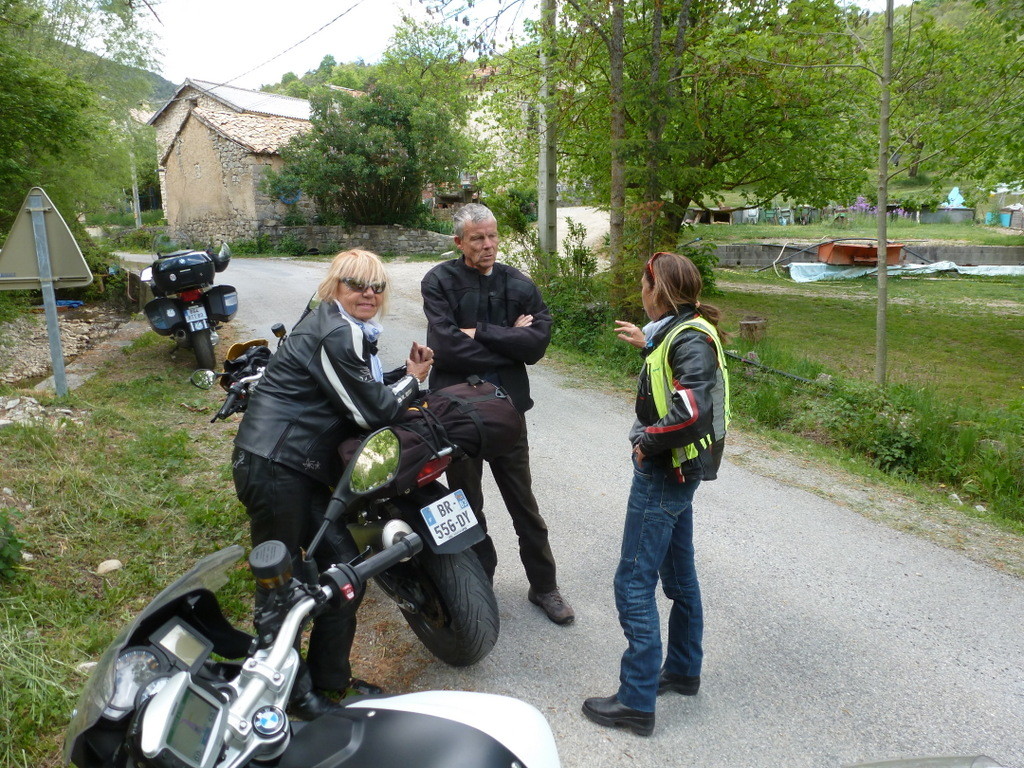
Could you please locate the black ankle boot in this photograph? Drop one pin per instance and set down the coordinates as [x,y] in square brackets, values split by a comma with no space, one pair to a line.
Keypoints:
[312,705]
[609,712]
[684,684]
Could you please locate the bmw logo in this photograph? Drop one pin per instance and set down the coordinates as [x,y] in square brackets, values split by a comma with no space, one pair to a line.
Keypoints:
[268,721]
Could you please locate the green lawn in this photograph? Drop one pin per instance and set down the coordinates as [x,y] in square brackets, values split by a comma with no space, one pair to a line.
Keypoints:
[962,336]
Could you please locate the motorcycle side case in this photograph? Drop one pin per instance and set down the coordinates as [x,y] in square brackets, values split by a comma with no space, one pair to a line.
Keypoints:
[222,302]
[182,270]
[164,315]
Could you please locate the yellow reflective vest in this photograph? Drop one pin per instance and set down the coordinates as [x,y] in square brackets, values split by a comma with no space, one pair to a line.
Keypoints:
[660,375]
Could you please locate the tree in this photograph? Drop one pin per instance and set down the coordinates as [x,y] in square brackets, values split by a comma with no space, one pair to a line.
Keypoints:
[368,158]
[65,110]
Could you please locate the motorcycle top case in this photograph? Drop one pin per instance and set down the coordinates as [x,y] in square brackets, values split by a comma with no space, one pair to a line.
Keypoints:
[164,315]
[222,302]
[182,270]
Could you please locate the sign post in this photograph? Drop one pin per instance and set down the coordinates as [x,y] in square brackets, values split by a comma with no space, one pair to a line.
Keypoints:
[26,264]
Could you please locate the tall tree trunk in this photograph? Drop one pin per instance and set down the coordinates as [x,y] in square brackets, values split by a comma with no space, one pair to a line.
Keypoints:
[616,62]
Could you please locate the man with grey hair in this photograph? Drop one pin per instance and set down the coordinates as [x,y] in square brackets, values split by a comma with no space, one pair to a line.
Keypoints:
[488,319]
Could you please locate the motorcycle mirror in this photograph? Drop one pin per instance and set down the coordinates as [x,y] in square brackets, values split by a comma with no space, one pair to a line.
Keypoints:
[372,466]
[225,251]
[375,463]
[146,275]
[203,378]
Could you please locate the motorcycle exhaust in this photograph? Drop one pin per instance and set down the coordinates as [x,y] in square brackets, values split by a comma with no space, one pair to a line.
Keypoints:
[380,535]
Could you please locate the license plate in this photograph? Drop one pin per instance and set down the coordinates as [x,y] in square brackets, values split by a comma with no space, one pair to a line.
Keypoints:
[448,517]
[195,316]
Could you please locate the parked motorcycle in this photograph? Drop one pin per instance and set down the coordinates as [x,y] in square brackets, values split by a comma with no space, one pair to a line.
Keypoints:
[181,688]
[186,304]
[443,592]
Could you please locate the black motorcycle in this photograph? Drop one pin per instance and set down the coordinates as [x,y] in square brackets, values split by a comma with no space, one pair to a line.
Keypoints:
[443,592]
[186,304]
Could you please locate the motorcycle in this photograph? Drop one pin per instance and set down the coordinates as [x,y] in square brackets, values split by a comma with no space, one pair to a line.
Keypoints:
[186,304]
[180,687]
[443,592]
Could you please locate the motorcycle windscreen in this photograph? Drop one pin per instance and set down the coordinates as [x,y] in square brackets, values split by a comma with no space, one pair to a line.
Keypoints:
[210,573]
[164,315]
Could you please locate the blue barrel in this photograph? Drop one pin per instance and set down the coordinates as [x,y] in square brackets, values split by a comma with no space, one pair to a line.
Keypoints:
[990,218]
[1004,219]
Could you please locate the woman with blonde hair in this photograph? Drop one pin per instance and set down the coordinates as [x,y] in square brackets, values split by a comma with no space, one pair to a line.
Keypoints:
[323,385]
[682,410]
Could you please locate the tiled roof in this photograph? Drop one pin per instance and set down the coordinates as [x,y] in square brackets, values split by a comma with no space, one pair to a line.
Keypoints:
[261,134]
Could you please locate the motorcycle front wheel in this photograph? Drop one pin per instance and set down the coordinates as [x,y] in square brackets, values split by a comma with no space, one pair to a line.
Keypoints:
[202,345]
[455,614]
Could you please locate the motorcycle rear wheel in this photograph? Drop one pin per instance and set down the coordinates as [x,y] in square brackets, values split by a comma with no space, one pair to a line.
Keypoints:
[457,619]
[202,345]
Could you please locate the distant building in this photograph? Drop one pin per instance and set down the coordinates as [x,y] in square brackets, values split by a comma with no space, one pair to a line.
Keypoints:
[214,144]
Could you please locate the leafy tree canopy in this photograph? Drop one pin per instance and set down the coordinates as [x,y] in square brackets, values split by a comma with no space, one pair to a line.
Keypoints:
[65,110]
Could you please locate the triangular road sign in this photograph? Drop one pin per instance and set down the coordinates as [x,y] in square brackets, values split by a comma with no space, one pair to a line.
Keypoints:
[19,262]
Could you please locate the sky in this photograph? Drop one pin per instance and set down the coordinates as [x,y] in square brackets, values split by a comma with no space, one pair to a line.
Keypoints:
[249,43]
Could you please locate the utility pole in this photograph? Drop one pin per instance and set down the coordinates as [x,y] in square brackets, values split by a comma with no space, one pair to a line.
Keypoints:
[881,344]
[547,167]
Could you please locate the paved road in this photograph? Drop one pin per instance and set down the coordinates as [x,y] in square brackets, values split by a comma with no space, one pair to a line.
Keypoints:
[830,639]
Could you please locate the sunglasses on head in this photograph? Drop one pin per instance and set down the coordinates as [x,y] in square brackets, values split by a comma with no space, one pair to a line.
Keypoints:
[360,286]
[650,264]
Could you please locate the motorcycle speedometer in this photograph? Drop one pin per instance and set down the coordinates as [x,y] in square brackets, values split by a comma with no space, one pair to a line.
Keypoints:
[134,669]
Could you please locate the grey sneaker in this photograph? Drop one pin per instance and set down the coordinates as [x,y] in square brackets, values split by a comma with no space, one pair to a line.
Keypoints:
[553,605]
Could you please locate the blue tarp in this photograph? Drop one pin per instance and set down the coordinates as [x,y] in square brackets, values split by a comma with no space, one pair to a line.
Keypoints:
[814,271]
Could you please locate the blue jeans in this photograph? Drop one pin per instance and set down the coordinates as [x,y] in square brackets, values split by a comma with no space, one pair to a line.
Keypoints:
[657,541]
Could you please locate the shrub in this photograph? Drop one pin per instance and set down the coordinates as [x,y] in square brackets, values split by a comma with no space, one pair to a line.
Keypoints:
[10,546]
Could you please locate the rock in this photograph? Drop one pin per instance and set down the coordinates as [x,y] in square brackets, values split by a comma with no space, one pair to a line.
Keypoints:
[955,499]
[109,566]
[980,508]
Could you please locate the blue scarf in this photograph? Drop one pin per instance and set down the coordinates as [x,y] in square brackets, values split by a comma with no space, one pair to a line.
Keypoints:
[371,332]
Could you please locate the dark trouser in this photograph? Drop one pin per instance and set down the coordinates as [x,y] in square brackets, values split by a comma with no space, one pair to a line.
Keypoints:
[512,475]
[289,506]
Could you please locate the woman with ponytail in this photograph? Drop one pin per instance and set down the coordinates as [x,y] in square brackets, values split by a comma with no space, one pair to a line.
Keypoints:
[682,410]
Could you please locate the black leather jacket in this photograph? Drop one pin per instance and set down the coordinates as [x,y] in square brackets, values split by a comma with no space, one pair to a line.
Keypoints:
[456,296]
[318,390]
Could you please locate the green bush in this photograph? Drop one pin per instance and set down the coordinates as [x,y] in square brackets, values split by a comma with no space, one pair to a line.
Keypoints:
[515,209]
[10,546]
[291,245]
[261,244]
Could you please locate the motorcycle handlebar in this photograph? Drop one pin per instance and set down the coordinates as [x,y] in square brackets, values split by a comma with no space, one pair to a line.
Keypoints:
[345,581]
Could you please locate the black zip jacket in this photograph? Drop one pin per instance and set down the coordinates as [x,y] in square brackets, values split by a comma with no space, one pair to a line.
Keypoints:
[317,391]
[456,296]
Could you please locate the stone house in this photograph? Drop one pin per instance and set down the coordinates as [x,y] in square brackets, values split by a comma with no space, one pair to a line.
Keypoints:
[214,143]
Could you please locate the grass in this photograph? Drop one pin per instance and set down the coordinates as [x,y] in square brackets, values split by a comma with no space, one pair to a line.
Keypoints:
[144,479]
[961,336]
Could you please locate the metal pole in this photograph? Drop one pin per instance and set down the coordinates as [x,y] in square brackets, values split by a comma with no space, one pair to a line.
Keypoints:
[36,208]
[881,343]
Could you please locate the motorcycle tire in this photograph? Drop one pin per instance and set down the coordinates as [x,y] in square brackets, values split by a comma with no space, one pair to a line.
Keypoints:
[458,616]
[202,345]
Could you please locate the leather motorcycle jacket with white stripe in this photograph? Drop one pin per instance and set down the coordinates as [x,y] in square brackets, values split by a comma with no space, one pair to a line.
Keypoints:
[317,391]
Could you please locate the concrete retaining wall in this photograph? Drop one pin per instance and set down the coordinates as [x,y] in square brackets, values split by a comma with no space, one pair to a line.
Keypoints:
[762,255]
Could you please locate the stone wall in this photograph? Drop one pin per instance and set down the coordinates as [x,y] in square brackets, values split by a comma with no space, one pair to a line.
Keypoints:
[379,239]
[963,255]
